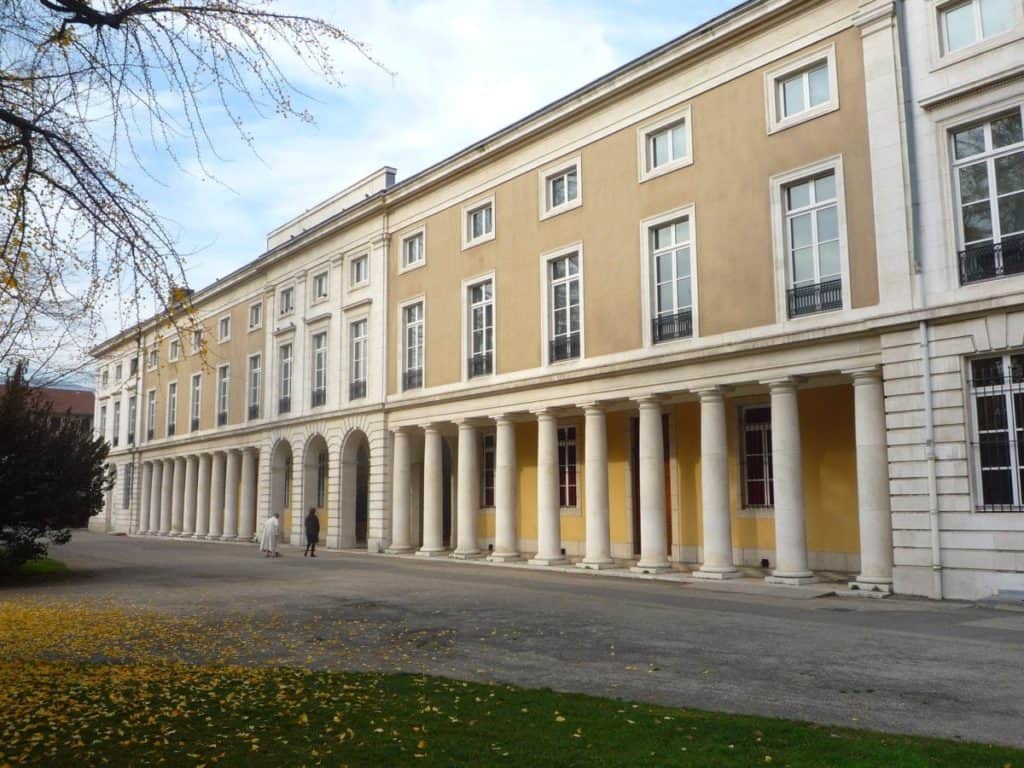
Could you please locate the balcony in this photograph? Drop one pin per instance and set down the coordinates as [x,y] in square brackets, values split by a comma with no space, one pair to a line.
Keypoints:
[564,348]
[319,397]
[992,260]
[284,405]
[819,297]
[481,364]
[412,379]
[222,418]
[672,326]
[254,412]
[357,390]
[194,426]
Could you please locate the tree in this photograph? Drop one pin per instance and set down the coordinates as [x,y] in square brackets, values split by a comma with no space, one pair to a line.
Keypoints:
[53,473]
[86,86]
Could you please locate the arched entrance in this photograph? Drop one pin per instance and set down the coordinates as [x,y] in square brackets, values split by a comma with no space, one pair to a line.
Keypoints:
[315,473]
[355,491]
[281,486]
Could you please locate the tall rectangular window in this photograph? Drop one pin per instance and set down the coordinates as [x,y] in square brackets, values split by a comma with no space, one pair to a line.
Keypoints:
[286,301]
[255,383]
[150,414]
[479,224]
[133,415]
[117,372]
[997,397]
[758,484]
[194,398]
[565,309]
[357,360]
[129,476]
[988,164]
[117,422]
[319,368]
[103,422]
[225,328]
[284,403]
[255,315]
[223,393]
[487,471]
[173,350]
[360,270]
[671,265]
[964,24]
[563,187]
[412,352]
[154,357]
[197,340]
[567,466]
[481,328]
[172,407]
[320,286]
[321,480]
[413,250]
[813,245]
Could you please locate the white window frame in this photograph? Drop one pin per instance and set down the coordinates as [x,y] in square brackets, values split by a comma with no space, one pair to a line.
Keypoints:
[400,357]
[748,510]
[644,132]
[323,275]
[115,410]
[133,418]
[258,306]
[195,399]
[941,37]
[403,265]
[774,78]
[103,421]
[197,340]
[171,411]
[249,399]
[545,293]
[285,363]
[364,358]
[363,259]
[548,175]
[118,372]
[480,204]
[221,336]
[151,363]
[1007,390]
[150,414]
[173,350]
[647,273]
[223,394]
[467,344]
[322,362]
[778,185]
[282,311]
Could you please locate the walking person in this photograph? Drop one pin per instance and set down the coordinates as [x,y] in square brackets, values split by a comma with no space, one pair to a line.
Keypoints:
[312,533]
[269,536]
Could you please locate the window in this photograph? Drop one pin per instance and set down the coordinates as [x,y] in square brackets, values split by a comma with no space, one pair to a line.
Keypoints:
[319,368]
[154,357]
[223,392]
[560,189]
[150,414]
[197,341]
[321,480]
[172,407]
[666,144]
[758,484]
[478,226]
[967,23]
[813,258]
[255,376]
[802,90]
[567,467]
[412,346]
[997,395]
[287,302]
[284,403]
[359,270]
[481,329]
[118,369]
[225,328]
[357,360]
[671,269]
[174,350]
[414,250]
[133,366]
[255,315]
[126,496]
[988,166]
[103,421]
[117,423]
[320,286]
[194,401]
[105,377]
[487,466]
[564,302]
[133,415]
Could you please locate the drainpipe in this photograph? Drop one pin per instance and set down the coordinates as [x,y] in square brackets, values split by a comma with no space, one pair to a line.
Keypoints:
[924,345]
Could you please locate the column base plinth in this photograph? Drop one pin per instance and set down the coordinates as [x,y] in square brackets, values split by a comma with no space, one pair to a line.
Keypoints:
[474,554]
[431,553]
[795,579]
[504,557]
[225,537]
[547,561]
[880,588]
[596,565]
[717,574]
[163,533]
[398,550]
[643,567]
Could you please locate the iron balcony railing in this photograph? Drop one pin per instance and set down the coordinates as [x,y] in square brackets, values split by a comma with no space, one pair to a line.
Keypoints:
[222,418]
[984,262]
[564,347]
[675,326]
[820,297]
[319,397]
[357,390]
[284,405]
[481,364]
[254,411]
[195,424]
[412,379]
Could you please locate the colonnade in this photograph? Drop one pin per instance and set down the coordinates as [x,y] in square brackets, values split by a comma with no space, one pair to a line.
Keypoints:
[791,556]
[207,495]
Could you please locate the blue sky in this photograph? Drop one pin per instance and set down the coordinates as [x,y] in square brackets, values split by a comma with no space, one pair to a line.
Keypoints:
[463,70]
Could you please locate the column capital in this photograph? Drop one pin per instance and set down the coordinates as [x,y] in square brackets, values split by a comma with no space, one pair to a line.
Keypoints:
[502,418]
[543,414]
[712,392]
[869,373]
[648,401]
[593,407]
[782,383]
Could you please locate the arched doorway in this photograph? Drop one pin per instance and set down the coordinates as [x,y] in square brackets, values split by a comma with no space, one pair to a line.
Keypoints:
[281,486]
[315,473]
[355,491]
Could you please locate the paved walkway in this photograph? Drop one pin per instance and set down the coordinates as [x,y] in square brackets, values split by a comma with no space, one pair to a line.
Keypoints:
[949,669]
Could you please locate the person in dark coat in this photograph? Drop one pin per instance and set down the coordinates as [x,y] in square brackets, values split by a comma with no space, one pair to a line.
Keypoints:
[312,533]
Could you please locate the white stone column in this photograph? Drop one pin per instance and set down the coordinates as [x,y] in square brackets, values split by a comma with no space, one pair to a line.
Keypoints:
[506,510]
[872,484]
[217,482]
[144,500]
[714,484]
[247,513]
[787,469]
[653,525]
[191,471]
[155,494]
[595,458]
[166,497]
[203,496]
[549,518]
[433,493]
[178,497]
[231,477]
[468,492]
[400,490]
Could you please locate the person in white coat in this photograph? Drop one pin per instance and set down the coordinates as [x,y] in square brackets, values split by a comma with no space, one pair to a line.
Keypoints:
[269,536]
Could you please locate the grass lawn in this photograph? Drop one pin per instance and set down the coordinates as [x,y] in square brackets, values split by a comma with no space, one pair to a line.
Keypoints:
[43,568]
[73,713]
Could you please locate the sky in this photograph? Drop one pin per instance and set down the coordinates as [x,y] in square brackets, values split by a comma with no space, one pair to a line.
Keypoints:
[462,70]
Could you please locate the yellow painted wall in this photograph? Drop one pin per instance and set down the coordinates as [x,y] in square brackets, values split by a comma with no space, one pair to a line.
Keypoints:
[617,427]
